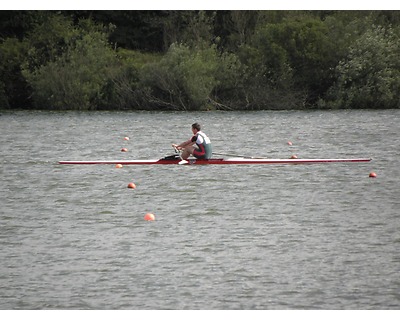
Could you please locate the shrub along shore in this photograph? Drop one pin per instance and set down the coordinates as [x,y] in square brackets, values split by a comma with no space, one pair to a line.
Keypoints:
[199,60]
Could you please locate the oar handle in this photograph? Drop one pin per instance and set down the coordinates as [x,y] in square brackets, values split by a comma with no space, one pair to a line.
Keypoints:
[176,149]
[179,152]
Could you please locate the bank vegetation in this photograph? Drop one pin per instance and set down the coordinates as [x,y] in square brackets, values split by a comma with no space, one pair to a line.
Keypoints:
[199,60]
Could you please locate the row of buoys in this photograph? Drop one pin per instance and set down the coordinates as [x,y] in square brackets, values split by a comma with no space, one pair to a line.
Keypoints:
[125,149]
[148,216]
[293,156]
[119,165]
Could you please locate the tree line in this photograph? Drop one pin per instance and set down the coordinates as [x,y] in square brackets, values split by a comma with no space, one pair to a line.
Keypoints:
[199,60]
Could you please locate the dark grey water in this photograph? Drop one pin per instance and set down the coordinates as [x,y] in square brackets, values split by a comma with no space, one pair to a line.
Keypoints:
[225,237]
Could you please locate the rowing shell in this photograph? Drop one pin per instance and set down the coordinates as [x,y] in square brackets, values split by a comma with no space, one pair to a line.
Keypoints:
[224,161]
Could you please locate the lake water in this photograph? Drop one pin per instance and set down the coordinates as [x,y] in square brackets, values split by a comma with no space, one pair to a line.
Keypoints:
[225,237]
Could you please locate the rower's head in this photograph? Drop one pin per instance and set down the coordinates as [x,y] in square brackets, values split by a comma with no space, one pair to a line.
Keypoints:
[196,127]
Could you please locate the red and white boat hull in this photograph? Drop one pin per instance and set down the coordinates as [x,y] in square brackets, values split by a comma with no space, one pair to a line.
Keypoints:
[220,161]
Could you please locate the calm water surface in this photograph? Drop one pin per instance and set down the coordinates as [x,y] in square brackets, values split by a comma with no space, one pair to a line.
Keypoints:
[225,237]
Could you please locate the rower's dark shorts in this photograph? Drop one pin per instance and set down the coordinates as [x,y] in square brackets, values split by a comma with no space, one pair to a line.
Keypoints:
[198,154]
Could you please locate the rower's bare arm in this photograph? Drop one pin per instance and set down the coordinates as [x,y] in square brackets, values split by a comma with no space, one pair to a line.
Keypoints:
[183,144]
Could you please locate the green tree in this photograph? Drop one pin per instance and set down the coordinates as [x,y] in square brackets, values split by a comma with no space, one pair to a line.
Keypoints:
[228,92]
[297,51]
[187,78]
[13,92]
[193,28]
[191,60]
[183,79]
[369,77]
[48,39]
[77,77]
[122,90]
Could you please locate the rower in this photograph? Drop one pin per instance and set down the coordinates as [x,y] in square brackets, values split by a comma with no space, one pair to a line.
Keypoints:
[199,145]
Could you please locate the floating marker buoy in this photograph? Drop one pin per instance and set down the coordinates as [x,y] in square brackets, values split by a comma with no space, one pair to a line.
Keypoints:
[131,185]
[124,150]
[293,157]
[126,138]
[372,175]
[118,165]
[289,143]
[149,217]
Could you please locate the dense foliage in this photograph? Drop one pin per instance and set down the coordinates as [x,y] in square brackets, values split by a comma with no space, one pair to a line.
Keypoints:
[199,60]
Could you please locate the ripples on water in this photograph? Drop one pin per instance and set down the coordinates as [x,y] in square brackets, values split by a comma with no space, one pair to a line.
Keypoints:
[225,237]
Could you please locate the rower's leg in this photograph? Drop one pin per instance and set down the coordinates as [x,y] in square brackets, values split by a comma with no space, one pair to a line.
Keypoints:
[187,152]
[185,155]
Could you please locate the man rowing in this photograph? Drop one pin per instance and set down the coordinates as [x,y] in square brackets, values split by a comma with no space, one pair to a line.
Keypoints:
[199,145]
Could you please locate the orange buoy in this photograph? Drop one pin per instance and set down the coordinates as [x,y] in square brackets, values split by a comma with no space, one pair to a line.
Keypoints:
[293,156]
[372,175]
[289,143]
[124,150]
[131,185]
[149,217]
[126,138]
[118,165]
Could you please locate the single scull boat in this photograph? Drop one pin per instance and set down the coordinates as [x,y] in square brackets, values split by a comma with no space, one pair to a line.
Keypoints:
[237,160]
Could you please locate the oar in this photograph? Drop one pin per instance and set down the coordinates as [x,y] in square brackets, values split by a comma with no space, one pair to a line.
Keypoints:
[177,151]
[237,155]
